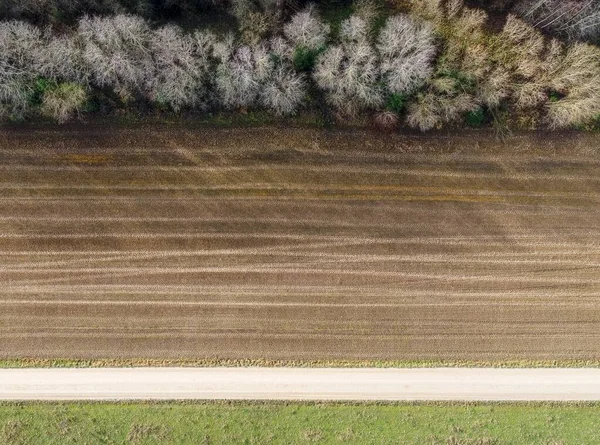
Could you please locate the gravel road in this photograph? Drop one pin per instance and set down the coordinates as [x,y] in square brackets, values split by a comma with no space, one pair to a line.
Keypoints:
[481,384]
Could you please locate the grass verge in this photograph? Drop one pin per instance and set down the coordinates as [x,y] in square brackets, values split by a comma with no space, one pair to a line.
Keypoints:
[298,423]
[212,362]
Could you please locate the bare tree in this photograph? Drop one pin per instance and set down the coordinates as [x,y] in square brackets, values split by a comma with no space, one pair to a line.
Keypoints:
[283,91]
[181,65]
[236,82]
[306,29]
[60,58]
[261,75]
[116,52]
[18,42]
[575,19]
[15,91]
[407,51]
[577,80]
[349,72]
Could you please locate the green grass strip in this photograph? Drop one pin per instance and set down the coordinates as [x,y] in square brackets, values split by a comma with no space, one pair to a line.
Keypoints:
[298,423]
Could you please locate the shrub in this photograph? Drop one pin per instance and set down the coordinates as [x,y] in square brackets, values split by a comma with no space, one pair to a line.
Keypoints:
[305,58]
[475,118]
[63,101]
[386,120]
[395,103]
[40,87]
[424,112]
[432,109]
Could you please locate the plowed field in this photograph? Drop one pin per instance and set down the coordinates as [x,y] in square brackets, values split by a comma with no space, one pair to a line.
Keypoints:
[297,244]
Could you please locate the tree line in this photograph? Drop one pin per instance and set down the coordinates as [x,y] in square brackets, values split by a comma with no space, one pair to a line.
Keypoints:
[434,64]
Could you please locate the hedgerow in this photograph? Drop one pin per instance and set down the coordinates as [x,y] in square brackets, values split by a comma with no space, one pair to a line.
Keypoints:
[437,65]
[165,66]
[540,79]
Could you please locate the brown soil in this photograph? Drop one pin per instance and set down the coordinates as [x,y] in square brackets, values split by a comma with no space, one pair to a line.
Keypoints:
[298,244]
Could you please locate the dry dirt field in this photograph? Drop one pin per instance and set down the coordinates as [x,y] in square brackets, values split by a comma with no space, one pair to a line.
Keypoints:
[297,244]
